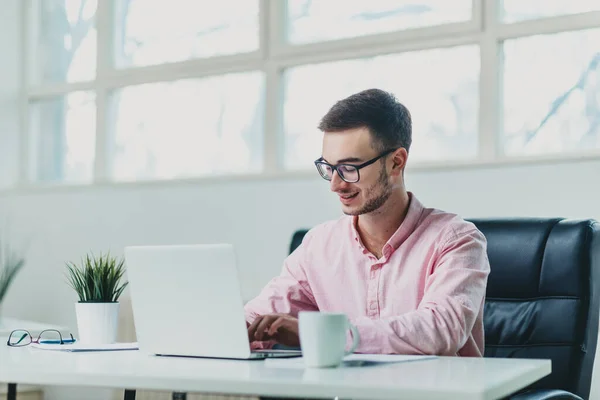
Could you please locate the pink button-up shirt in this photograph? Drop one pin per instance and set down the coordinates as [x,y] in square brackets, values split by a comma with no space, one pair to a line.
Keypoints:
[425,295]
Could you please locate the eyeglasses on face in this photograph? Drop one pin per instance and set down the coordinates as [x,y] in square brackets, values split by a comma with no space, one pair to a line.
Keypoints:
[22,337]
[348,172]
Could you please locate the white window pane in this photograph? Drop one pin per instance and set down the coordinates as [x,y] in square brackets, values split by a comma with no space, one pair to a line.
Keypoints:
[189,128]
[552,93]
[66,40]
[159,31]
[439,87]
[521,10]
[320,20]
[63,138]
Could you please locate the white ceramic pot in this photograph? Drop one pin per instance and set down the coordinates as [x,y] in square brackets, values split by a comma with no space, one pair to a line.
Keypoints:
[97,322]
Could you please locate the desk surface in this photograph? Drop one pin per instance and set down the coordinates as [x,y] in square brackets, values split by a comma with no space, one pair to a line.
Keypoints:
[440,378]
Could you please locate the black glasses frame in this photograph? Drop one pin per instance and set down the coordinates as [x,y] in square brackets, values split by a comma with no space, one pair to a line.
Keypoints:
[335,167]
[27,333]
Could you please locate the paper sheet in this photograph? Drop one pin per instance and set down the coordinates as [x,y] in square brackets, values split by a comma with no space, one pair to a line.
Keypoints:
[386,358]
[350,361]
[77,347]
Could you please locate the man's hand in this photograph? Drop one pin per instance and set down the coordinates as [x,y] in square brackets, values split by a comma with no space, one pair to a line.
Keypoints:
[279,327]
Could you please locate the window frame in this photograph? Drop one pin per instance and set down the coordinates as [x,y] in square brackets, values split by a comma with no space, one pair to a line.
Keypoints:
[274,56]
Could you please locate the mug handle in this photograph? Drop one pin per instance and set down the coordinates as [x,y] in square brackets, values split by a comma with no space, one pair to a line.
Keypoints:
[355,340]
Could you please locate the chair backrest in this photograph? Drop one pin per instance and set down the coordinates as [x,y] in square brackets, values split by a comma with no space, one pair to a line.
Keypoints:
[542,297]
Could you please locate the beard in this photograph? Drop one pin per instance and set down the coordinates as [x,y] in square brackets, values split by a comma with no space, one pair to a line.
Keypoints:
[376,195]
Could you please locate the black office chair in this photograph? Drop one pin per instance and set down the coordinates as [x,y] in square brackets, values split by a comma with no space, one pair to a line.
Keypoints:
[542,299]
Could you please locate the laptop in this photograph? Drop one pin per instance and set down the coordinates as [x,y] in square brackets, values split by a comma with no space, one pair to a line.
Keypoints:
[186,301]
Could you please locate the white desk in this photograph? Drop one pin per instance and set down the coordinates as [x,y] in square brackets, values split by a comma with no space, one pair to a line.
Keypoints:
[7,325]
[441,378]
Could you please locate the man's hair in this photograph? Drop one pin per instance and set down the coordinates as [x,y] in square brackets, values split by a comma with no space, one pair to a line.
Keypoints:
[387,119]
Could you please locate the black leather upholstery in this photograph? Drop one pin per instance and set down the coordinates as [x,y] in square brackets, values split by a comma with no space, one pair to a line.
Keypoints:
[542,296]
[545,394]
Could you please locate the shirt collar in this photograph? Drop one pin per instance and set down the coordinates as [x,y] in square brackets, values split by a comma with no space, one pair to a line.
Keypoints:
[415,209]
[413,215]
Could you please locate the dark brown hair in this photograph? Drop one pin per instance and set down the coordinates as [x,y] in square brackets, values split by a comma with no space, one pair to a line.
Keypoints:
[387,119]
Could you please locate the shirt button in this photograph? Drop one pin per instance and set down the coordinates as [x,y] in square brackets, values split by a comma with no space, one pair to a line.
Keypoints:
[373,306]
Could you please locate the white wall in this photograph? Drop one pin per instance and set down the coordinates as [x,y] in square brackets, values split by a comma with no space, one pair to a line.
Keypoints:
[258,216]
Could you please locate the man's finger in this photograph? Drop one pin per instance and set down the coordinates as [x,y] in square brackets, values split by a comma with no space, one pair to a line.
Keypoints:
[275,326]
[252,328]
[264,324]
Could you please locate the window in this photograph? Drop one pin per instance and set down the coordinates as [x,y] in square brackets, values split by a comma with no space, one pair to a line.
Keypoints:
[153,32]
[315,21]
[190,127]
[439,87]
[63,136]
[552,93]
[521,10]
[131,90]
[66,40]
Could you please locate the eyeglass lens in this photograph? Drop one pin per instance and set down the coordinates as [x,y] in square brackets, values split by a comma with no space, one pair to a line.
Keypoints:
[346,172]
[19,338]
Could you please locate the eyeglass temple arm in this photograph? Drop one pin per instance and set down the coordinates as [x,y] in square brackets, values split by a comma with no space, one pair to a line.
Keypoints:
[62,340]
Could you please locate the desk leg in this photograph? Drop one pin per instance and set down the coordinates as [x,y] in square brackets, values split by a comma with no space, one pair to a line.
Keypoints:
[129,394]
[12,392]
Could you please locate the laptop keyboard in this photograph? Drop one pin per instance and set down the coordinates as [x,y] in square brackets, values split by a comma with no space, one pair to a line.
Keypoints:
[277,353]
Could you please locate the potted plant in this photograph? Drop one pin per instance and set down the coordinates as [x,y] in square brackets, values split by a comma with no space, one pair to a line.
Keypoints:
[98,283]
[10,265]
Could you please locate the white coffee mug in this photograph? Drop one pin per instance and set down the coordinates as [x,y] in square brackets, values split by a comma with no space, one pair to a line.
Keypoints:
[323,338]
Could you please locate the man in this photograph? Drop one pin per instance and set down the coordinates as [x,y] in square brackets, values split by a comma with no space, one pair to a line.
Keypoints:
[411,279]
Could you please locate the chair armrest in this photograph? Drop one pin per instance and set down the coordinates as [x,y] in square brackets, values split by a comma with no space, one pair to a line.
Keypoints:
[545,394]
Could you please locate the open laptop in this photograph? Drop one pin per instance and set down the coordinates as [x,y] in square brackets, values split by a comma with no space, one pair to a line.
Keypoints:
[187,301]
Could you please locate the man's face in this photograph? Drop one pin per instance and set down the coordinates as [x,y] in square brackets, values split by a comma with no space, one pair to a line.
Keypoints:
[353,146]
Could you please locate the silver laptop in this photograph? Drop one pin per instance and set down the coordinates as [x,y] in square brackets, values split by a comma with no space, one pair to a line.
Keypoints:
[187,301]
